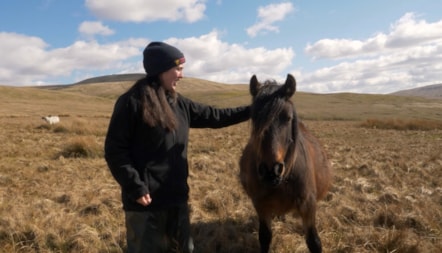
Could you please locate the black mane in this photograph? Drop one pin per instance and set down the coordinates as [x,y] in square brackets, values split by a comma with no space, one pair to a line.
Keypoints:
[266,106]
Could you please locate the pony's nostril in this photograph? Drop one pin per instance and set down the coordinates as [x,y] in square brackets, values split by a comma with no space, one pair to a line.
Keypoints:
[278,169]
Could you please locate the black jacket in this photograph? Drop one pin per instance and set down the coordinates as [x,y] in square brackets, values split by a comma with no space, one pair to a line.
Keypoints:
[150,160]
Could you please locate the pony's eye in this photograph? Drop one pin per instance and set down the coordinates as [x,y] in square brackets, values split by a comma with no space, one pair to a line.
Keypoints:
[285,117]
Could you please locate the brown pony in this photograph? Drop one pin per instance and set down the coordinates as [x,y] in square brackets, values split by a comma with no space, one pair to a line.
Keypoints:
[283,167]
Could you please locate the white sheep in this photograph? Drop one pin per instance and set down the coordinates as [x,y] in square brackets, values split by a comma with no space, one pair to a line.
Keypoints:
[51,119]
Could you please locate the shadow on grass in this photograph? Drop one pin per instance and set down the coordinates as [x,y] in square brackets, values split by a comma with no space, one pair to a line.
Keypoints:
[226,235]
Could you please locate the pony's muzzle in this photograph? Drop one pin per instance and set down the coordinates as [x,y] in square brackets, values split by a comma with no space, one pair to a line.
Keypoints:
[271,175]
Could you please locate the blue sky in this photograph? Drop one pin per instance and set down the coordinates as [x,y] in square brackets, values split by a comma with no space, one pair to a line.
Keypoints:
[329,46]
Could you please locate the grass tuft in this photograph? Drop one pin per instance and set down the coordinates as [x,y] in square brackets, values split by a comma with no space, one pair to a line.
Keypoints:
[82,147]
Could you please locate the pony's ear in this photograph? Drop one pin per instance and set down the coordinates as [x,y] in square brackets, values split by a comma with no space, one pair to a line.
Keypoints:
[254,86]
[289,87]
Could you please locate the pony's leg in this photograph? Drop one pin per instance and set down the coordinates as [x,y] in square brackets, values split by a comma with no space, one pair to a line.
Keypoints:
[308,215]
[265,234]
[313,240]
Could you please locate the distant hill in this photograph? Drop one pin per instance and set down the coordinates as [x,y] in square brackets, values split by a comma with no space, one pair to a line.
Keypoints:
[124,81]
[118,78]
[113,78]
[430,91]
[96,97]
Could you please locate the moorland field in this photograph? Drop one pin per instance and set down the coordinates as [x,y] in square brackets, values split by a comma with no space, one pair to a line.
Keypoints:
[57,194]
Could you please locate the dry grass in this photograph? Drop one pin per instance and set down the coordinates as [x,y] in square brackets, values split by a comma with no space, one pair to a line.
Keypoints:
[386,197]
[399,124]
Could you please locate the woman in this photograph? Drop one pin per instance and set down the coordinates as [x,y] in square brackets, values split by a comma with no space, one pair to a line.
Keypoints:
[146,151]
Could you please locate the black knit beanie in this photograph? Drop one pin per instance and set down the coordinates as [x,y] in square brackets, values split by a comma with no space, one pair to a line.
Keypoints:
[159,57]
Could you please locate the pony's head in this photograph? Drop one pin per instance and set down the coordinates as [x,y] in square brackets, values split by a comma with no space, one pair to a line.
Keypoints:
[274,127]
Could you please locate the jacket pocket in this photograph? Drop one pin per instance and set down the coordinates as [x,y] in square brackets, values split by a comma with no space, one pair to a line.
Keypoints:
[152,183]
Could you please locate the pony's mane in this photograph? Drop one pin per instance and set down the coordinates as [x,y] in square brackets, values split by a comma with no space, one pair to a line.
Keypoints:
[266,106]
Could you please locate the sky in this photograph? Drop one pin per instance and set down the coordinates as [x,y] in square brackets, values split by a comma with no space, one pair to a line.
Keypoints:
[374,46]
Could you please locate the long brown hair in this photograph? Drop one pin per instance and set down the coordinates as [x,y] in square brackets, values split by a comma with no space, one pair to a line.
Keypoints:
[156,103]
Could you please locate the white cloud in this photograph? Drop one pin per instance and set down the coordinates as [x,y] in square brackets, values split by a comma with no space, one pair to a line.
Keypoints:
[28,60]
[406,32]
[384,73]
[268,15]
[409,55]
[345,48]
[409,31]
[91,28]
[148,10]
[364,76]
[210,58]
[21,56]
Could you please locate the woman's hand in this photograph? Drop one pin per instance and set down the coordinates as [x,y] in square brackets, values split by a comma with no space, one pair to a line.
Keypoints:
[144,200]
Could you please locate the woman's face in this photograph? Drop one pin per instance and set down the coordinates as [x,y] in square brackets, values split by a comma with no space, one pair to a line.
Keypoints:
[170,78]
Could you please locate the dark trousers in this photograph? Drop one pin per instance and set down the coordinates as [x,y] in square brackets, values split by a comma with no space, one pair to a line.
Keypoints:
[159,231]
